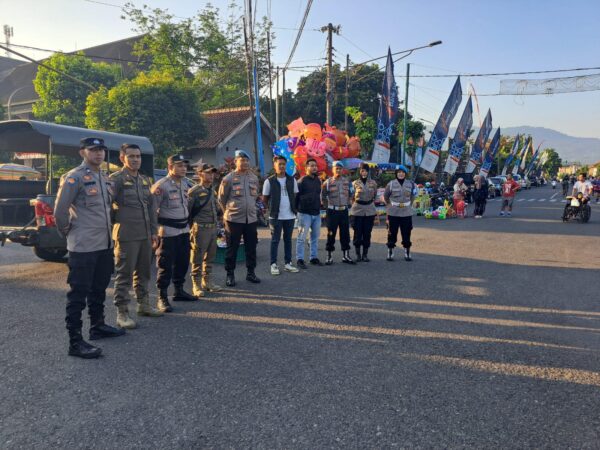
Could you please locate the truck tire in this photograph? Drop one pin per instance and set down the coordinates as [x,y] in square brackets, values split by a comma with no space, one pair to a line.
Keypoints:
[48,254]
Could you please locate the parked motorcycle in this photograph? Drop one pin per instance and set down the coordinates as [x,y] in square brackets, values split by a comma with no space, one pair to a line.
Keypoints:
[577,208]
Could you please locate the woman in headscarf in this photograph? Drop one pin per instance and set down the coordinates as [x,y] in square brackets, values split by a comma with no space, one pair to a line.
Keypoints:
[363,211]
[480,195]
[399,195]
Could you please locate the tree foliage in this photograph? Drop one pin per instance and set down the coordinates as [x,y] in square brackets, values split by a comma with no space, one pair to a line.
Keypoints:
[552,163]
[62,100]
[156,105]
[365,128]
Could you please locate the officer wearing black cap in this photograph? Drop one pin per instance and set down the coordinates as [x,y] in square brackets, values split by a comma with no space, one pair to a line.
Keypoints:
[82,213]
[237,198]
[173,253]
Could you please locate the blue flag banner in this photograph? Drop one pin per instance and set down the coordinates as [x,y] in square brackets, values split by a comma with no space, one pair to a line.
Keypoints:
[388,109]
[479,144]
[513,152]
[521,158]
[490,155]
[460,139]
[440,132]
[533,158]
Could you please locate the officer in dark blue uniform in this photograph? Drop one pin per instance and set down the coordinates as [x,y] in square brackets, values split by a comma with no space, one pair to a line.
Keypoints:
[82,213]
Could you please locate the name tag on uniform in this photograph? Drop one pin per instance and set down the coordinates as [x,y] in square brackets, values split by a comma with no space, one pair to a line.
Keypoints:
[128,183]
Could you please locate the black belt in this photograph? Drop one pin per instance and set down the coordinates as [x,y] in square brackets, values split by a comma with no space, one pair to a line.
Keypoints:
[173,223]
[364,202]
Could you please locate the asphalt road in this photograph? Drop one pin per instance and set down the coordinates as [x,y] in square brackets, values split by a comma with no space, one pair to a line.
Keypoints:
[489,338]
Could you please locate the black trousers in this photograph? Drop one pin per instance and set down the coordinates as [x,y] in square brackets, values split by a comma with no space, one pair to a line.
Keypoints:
[363,226]
[479,207]
[405,225]
[172,260]
[337,219]
[233,235]
[89,275]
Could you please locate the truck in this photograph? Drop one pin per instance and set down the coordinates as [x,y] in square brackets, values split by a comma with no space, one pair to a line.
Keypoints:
[27,206]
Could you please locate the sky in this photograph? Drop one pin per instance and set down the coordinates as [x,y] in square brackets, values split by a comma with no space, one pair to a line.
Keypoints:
[479,37]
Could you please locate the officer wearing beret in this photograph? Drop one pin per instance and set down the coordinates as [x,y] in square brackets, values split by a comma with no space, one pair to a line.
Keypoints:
[363,211]
[237,198]
[82,213]
[135,233]
[203,217]
[336,194]
[173,253]
[399,194]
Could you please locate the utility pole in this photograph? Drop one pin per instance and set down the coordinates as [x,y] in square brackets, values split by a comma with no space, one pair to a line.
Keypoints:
[277,106]
[270,78]
[283,100]
[8,33]
[249,80]
[347,90]
[329,96]
[405,120]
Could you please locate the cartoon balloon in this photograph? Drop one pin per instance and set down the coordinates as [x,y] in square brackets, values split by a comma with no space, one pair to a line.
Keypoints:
[296,128]
[340,137]
[313,130]
[353,147]
[290,167]
[280,148]
[314,148]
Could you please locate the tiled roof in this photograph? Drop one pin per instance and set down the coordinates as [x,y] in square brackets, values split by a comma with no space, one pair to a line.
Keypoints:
[220,123]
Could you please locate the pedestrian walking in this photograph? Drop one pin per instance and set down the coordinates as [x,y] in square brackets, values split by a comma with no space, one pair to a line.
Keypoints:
[82,213]
[237,198]
[509,190]
[399,195]
[308,205]
[565,186]
[135,233]
[204,220]
[459,197]
[336,194]
[279,195]
[363,212]
[480,195]
[173,253]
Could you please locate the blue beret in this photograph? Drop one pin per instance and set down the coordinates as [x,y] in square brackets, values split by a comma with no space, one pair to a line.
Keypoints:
[402,168]
[338,164]
[241,154]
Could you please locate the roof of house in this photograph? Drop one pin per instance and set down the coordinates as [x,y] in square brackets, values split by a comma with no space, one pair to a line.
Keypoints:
[7,64]
[221,123]
[21,77]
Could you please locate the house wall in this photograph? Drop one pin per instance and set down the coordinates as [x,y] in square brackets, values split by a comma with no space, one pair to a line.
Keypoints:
[244,140]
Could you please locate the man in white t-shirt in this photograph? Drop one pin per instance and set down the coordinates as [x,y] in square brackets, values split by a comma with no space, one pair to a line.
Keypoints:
[582,185]
[279,193]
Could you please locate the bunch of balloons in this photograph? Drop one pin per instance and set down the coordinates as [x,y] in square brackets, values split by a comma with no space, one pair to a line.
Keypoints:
[324,145]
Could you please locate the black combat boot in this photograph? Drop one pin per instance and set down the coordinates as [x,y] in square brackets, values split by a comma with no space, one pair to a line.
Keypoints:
[78,347]
[365,257]
[390,255]
[230,280]
[99,330]
[329,260]
[251,277]
[407,254]
[163,301]
[182,296]
[358,255]
[346,258]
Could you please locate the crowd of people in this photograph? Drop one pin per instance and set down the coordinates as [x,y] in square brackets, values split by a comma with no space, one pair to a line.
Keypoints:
[116,224]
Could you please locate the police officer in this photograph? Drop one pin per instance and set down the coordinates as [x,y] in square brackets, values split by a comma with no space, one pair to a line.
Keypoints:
[398,195]
[203,216]
[173,253]
[135,233]
[363,212]
[237,198]
[335,195]
[82,213]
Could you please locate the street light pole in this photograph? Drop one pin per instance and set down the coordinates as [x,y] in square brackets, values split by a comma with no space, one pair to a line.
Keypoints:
[8,111]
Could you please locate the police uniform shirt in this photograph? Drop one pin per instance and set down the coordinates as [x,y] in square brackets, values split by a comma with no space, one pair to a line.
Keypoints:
[82,210]
[237,197]
[399,197]
[171,201]
[206,196]
[133,206]
[336,192]
[364,196]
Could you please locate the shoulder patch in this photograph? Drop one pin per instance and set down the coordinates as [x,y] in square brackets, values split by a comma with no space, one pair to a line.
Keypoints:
[71,180]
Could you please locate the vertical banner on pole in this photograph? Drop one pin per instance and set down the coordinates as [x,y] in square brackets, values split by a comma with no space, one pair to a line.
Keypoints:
[521,159]
[490,155]
[388,108]
[479,144]
[460,139]
[440,132]
[513,152]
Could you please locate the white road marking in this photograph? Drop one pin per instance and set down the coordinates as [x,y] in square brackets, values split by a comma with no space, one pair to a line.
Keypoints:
[531,200]
[542,200]
[552,200]
[521,200]
[554,195]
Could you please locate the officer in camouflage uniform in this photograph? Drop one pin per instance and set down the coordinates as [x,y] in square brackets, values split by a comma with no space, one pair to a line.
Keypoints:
[173,254]
[399,195]
[135,233]
[335,195]
[363,212]
[82,213]
[203,217]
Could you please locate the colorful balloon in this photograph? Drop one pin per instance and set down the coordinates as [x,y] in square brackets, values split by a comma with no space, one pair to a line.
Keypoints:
[313,130]
[296,128]
[353,147]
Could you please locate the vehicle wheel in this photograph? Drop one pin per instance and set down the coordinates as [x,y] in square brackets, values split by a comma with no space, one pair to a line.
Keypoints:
[47,254]
[586,213]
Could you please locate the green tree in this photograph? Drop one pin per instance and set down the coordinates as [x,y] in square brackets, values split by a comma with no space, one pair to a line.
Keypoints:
[552,163]
[365,128]
[62,100]
[156,105]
